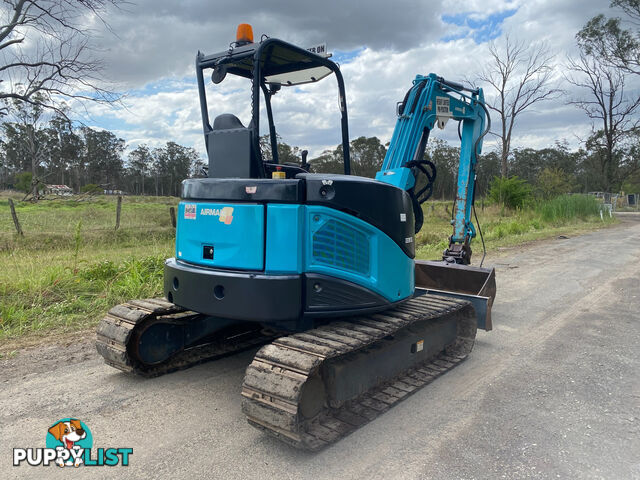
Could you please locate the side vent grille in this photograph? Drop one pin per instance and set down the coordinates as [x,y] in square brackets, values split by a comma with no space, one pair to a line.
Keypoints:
[339,245]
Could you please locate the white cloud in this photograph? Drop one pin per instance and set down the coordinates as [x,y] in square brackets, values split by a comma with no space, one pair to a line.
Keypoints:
[394,42]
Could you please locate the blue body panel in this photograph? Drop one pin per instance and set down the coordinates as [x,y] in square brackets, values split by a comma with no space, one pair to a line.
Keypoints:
[299,239]
[236,231]
[285,234]
[376,261]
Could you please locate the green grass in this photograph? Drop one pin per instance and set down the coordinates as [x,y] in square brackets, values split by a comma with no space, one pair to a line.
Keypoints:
[51,223]
[569,207]
[567,214]
[71,265]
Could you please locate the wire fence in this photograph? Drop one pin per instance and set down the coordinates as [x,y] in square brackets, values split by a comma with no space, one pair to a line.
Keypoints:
[616,202]
[66,216]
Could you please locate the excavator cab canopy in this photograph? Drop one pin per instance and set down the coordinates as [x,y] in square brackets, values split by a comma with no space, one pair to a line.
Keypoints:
[281,63]
[270,65]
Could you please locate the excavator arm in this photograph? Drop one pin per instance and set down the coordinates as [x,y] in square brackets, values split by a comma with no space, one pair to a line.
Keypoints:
[432,101]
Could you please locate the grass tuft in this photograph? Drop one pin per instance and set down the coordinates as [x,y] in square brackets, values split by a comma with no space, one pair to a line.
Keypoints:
[569,207]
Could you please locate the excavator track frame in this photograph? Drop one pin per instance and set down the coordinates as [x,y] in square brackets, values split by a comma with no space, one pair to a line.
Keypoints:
[282,381]
[118,337]
[284,392]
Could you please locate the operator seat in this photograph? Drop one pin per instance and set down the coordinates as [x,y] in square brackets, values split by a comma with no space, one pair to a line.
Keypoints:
[230,149]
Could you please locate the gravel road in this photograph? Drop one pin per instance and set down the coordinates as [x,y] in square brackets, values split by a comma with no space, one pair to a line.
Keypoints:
[552,392]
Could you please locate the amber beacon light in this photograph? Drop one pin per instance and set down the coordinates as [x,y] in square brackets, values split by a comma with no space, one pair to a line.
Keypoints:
[244,34]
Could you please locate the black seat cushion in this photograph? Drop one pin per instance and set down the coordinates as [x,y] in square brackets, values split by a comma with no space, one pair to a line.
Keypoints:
[227,121]
[231,150]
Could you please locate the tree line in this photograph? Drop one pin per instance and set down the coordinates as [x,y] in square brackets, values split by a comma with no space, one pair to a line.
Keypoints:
[550,171]
[42,145]
[38,149]
[56,152]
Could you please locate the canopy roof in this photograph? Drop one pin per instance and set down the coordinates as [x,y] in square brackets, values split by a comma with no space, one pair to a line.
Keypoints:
[280,62]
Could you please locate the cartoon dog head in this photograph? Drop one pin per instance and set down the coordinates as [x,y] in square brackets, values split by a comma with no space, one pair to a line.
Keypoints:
[68,432]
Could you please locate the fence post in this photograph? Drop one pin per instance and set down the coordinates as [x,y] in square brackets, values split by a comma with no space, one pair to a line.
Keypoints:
[16,222]
[172,212]
[118,208]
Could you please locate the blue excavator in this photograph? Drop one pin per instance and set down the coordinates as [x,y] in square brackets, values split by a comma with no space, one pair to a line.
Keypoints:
[319,269]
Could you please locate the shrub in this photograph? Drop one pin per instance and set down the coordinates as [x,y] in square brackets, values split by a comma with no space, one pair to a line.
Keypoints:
[512,192]
[23,181]
[91,188]
[552,182]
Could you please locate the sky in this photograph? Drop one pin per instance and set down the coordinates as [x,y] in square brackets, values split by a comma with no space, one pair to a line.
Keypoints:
[381,45]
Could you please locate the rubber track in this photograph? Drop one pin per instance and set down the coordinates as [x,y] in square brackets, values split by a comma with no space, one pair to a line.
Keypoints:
[275,380]
[120,325]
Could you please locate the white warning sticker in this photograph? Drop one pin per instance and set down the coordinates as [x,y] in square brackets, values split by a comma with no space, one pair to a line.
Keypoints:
[442,107]
[403,217]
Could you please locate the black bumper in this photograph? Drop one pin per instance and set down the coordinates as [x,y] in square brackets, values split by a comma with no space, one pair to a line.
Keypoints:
[284,300]
[236,295]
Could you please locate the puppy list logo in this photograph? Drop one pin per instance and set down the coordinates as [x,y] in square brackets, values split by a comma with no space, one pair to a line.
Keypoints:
[68,443]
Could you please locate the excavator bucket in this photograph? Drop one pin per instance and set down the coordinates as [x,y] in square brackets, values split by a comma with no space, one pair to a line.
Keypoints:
[475,284]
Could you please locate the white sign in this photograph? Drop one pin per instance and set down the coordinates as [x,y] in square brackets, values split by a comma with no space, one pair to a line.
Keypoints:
[442,107]
[320,49]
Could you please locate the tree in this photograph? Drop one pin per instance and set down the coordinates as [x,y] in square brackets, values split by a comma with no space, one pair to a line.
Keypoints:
[23,182]
[27,135]
[519,75]
[102,157]
[445,158]
[4,167]
[64,146]
[611,110]
[552,182]
[609,40]
[512,192]
[46,53]
[140,161]
[286,153]
[366,155]
[487,168]
[528,163]
[173,163]
[329,161]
